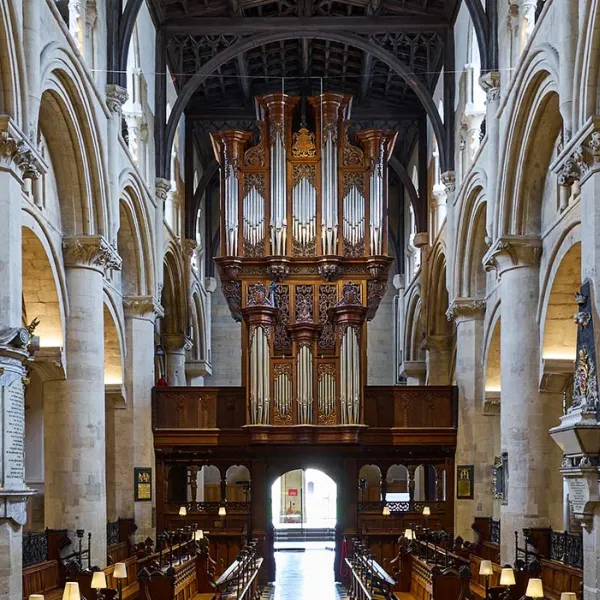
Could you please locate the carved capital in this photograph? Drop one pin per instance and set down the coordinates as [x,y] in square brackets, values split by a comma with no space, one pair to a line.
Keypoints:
[176,343]
[512,252]
[449,180]
[91,252]
[490,82]
[116,96]
[465,309]
[16,151]
[161,188]
[147,308]
[581,156]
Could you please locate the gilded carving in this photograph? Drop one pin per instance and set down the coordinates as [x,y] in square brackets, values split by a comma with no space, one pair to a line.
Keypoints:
[303,144]
[308,172]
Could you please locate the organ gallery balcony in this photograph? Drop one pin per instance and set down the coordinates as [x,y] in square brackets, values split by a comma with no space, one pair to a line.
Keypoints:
[393,415]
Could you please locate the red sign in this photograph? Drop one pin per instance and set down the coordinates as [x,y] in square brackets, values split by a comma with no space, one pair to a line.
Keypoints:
[292,492]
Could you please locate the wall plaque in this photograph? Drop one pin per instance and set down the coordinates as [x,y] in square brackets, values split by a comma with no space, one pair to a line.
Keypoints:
[465,484]
[13,401]
[142,484]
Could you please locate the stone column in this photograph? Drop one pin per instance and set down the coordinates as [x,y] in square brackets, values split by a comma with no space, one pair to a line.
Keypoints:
[176,345]
[474,443]
[490,82]
[449,181]
[161,189]
[140,314]
[74,409]
[438,357]
[17,164]
[415,371]
[523,430]
[116,96]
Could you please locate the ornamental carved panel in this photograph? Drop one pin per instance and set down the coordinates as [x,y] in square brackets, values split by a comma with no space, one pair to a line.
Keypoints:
[327,300]
[282,342]
[304,302]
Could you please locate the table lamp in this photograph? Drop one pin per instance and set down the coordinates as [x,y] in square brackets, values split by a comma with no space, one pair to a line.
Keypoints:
[183,511]
[98,582]
[485,569]
[535,589]
[120,573]
[222,511]
[563,596]
[198,535]
[36,597]
[71,591]
[386,511]
[507,578]
[409,534]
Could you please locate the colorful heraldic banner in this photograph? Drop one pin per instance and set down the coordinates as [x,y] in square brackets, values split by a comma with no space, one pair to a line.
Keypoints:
[142,484]
[465,484]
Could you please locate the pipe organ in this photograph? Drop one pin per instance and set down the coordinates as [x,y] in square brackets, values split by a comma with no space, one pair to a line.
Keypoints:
[303,258]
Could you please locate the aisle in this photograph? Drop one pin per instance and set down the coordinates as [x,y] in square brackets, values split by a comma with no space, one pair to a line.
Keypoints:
[305,576]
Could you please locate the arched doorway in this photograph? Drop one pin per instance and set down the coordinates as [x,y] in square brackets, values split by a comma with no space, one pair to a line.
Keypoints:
[303,518]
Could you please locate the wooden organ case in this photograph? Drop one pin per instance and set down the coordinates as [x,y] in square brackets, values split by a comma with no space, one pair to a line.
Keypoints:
[303,258]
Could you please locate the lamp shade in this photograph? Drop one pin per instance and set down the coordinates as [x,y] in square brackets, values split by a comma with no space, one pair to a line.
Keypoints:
[409,534]
[98,581]
[183,511]
[120,571]
[199,535]
[386,511]
[36,597]
[535,589]
[71,591]
[563,596]
[222,511]
[507,577]
[426,511]
[485,568]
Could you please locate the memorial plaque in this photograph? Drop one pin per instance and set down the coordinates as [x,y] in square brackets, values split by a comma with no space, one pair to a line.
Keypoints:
[13,404]
[578,493]
[142,484]
[465,484]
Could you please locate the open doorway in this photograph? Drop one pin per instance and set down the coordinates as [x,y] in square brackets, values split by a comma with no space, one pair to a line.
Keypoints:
[304,508]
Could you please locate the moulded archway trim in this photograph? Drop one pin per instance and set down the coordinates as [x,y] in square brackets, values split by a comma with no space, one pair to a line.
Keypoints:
[413,195]
[495,313]
[12,58]
[569,238]
[190,223]
[276,36]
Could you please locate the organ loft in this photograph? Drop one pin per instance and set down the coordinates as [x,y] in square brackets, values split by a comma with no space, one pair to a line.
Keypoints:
[304,255]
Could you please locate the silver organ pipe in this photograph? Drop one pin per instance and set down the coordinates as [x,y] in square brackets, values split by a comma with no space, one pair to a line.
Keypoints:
[326,394]
[376,193]
[350,377]
[283,395]
[304,377]
[329,179]
[259,377]
[278,192]
[254,217]
[354,216]
[231,208]
[304,212]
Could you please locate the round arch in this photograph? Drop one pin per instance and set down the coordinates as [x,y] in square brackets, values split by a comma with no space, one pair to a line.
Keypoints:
[172,299]
[12,89]
[259,39]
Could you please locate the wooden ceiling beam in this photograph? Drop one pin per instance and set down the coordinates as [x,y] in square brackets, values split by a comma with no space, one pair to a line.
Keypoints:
[238,25]
[365,75]
[242,67]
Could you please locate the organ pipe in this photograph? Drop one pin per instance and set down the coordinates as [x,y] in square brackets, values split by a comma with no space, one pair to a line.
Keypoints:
[329,192]
[350,377]
[278,192]
[232,208]
[304,385]
[326,394]
[304,200]
[354,216]
[259,377]
[254,217]
[376,194]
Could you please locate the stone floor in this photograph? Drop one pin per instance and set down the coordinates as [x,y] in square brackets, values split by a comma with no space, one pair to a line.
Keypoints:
[305,576]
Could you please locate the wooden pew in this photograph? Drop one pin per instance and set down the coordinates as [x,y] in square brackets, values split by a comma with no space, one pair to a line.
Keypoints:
[367,579]
[178,582]
[43,578]
[240,579]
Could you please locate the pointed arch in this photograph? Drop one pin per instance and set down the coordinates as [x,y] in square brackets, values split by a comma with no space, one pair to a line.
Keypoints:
[173,300]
